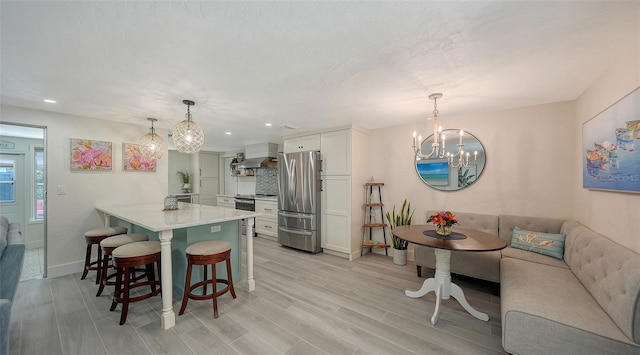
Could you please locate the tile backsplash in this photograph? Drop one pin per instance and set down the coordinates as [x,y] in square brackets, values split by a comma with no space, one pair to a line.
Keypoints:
[267,181]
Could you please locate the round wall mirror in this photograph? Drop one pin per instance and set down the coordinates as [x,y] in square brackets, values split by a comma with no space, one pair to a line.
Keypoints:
[451,174]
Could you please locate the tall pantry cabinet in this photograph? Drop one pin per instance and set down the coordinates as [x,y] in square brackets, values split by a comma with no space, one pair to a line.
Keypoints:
[343,152]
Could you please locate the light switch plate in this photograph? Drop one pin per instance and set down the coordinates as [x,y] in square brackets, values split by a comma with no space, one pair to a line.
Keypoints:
[215,229]
[62,189]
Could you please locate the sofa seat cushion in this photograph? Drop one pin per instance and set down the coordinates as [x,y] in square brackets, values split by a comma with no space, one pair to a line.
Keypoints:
[510,252]
[546,310]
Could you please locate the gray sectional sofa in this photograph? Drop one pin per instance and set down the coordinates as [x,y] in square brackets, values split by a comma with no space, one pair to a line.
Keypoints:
[587,303]
[11,257]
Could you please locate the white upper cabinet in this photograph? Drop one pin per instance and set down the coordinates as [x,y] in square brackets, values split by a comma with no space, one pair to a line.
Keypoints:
[261,150]
[336,152]
[302,144]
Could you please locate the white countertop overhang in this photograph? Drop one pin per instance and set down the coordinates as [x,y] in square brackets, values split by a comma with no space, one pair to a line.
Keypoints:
[152,217]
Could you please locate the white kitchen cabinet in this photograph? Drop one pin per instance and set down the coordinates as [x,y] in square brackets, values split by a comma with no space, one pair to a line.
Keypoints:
[268,207]
[209,189]
[336,214]
[335,148]
[267,224]
[228,202]
[302,144]
[209,164]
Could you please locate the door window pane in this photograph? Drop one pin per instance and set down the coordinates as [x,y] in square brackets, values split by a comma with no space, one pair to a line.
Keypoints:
[7,178]
[38,212]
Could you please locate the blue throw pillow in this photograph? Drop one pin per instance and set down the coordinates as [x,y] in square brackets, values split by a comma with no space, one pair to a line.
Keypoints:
[542,243]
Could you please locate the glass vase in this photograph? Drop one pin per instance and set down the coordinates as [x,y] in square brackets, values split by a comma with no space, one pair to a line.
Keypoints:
[444,230]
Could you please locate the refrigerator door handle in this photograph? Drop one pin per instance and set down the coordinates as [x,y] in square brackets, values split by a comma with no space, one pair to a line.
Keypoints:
[292,231]
[296,215]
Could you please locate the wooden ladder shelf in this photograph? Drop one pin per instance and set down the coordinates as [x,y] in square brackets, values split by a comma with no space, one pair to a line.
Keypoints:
[369,223]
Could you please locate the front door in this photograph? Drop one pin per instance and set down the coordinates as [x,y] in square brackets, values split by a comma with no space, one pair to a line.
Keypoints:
[13,203]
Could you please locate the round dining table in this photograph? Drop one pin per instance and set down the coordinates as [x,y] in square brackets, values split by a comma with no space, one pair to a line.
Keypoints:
[466,240]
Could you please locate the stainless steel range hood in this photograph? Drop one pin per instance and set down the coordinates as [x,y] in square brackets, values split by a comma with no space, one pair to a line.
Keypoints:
[252,163]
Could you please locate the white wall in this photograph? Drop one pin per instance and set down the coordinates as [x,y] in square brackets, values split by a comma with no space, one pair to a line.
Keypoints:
[70,215]
[528,171]
[613,214]
[178,161]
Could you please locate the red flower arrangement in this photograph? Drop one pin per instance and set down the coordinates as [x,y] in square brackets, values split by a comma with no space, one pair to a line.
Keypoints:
[443,219]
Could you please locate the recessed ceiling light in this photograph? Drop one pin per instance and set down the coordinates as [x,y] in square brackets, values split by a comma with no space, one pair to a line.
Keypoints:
[268,124]
[49,101]
[227,133]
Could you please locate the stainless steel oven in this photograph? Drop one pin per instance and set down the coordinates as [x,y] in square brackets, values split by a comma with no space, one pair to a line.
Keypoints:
[245,203]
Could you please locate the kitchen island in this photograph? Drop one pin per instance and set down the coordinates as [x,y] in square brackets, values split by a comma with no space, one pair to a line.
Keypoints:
[189,223]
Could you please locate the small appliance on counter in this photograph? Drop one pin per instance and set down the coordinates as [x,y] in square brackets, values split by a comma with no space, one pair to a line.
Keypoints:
[299,200]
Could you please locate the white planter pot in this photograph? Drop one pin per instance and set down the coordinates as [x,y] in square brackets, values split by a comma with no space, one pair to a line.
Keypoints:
[186,188]
[400,257]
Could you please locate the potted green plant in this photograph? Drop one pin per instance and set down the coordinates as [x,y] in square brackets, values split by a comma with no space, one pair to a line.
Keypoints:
[185,177]
[403,218]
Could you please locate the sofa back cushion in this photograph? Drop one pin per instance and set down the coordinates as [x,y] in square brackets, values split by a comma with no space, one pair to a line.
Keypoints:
[609,271]
[487,223]
[535,224]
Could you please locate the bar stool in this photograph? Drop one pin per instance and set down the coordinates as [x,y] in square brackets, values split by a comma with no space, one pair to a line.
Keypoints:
[206,253]
[95,236]
[108,245]
[125,259]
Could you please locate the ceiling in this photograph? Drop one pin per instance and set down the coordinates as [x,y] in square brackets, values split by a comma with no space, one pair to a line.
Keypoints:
[311,65]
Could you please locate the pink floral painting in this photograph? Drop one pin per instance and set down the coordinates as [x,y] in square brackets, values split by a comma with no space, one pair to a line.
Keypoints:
[134,161]
[88,154]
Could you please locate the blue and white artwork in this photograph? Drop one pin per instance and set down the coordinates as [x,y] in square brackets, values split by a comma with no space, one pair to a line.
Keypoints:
[435,172]
[611,147]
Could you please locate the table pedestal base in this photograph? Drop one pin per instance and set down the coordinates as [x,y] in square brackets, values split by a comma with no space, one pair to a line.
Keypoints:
[443,287]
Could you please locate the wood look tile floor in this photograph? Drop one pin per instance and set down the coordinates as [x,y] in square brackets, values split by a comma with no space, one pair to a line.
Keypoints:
[303,304]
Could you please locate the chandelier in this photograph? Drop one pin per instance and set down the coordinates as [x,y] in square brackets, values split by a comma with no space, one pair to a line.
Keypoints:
[188,136]
[152,145]
[455,159]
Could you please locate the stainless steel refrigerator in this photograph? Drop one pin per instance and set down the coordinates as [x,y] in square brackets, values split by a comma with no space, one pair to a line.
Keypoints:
[299,189]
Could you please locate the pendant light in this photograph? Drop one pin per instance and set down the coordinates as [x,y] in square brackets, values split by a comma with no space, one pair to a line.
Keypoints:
[455,159]
[188,136]
[151,144]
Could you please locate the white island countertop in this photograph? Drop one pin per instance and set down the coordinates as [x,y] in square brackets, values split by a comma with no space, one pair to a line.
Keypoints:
[152,217]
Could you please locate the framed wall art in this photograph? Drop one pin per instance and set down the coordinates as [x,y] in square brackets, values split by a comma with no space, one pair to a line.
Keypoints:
[611,147]
[91,155]
[133,160]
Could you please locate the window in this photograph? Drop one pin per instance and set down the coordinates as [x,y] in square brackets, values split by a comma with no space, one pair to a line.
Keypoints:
[7,178]
[38,184]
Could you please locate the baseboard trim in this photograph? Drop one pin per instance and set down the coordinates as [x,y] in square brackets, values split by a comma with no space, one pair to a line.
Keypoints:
[65,269]
[37,244]
[336,253]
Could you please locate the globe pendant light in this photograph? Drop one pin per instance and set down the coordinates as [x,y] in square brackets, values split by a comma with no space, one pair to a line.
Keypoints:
[152,145]
[188,137]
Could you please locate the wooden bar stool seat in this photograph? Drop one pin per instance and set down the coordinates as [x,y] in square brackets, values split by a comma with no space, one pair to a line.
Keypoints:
[108,245]
[93,237]
[206,253]
[125,259]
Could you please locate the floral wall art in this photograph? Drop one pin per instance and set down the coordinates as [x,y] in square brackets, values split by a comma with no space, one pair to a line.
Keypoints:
[133,159]
[611,147]
[87,154]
